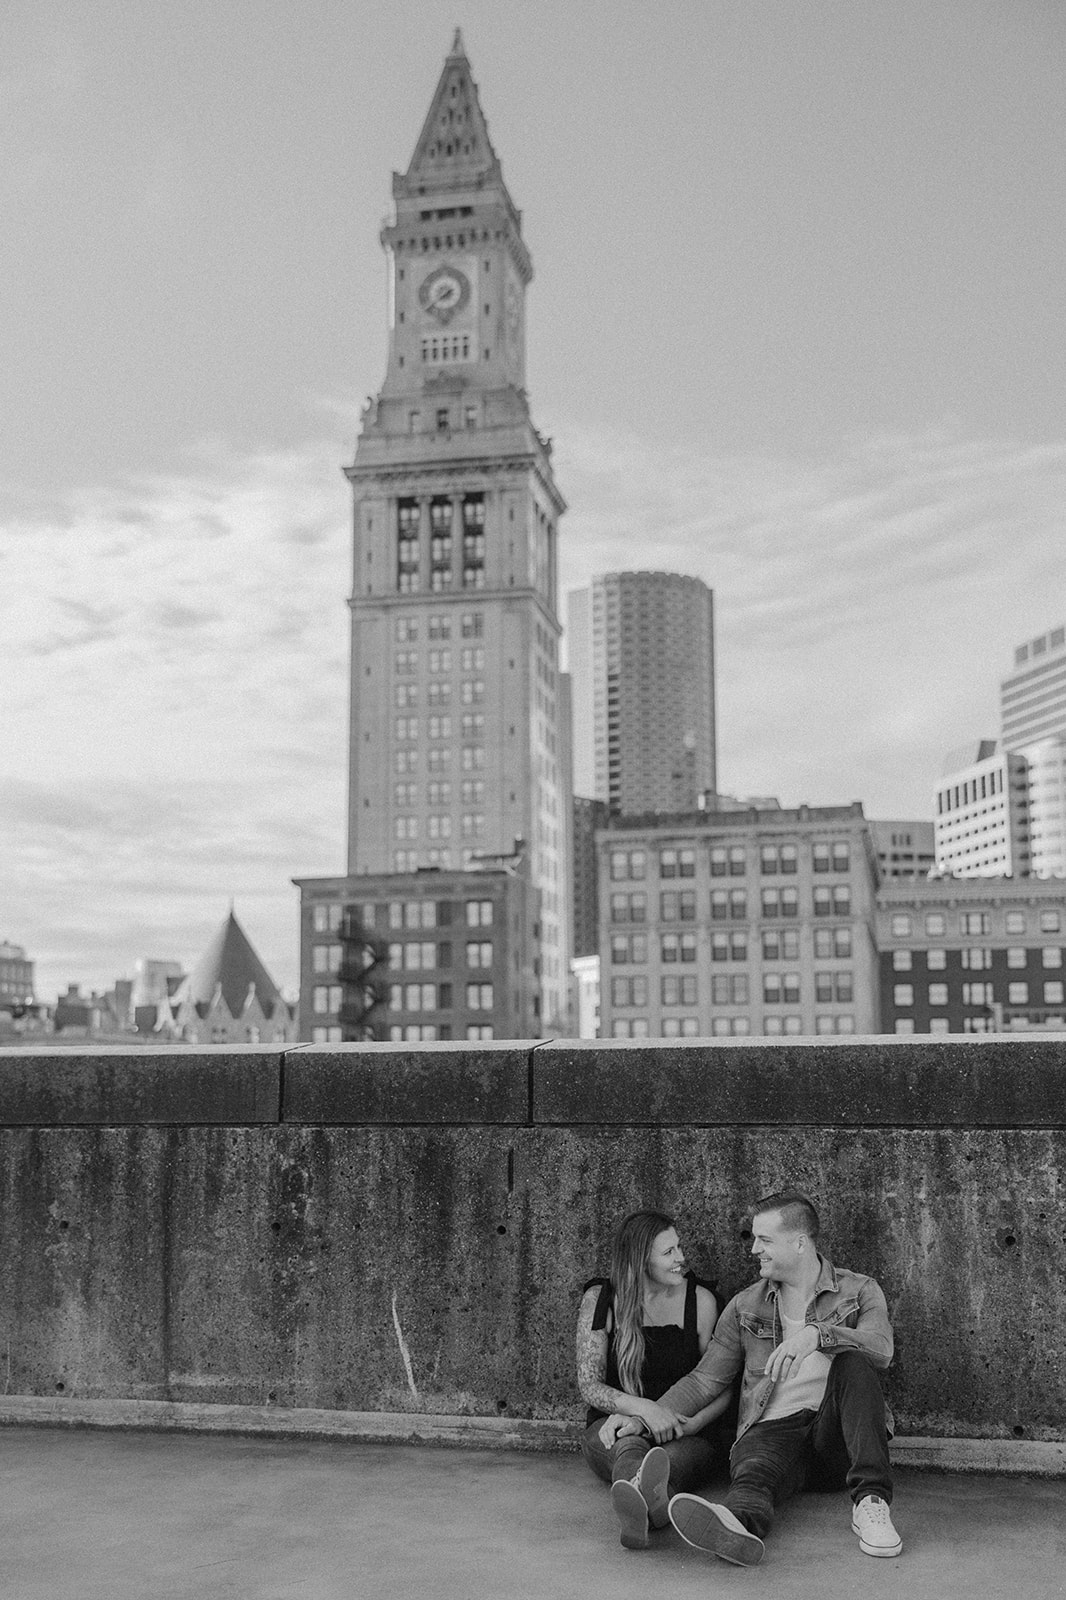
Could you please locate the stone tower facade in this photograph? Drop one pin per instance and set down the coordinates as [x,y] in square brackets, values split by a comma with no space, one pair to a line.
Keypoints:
[458,742]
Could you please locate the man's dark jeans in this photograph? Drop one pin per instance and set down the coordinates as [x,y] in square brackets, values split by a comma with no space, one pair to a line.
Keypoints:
[844,1444]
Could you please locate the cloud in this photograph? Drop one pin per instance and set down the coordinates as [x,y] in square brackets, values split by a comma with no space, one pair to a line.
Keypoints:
[175,717]
[866,605]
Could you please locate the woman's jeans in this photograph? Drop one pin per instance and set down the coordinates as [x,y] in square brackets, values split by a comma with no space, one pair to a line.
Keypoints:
[844,1444]
[692,1459]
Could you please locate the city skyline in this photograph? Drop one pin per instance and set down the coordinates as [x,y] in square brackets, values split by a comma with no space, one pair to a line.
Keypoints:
[827,382]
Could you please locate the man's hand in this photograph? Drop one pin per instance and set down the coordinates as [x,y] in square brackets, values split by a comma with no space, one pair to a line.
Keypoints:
[660,1423]
[792,1352]
[612,1426]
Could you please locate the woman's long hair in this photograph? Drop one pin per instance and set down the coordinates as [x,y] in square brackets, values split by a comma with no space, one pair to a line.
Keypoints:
[630,1248]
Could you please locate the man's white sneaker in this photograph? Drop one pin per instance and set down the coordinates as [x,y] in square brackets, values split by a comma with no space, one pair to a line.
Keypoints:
[872,1521]
[715,1529]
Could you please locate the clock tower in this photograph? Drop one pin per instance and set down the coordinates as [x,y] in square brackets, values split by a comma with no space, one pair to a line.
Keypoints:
[459,734]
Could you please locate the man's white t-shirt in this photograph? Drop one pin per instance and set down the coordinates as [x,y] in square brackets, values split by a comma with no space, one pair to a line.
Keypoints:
[803,1387]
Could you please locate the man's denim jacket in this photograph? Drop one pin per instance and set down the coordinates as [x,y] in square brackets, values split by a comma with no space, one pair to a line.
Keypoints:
[848,1309]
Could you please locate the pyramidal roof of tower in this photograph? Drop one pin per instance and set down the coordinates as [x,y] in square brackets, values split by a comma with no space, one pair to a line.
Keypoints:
[454,150]
[230,960]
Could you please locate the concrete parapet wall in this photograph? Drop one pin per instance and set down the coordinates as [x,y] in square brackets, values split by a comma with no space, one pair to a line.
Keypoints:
[394,1230]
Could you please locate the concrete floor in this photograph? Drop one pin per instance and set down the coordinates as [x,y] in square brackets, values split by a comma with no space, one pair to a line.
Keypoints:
[153,1516]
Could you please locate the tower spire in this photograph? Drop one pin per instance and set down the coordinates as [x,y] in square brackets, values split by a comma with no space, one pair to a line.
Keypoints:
[454,149]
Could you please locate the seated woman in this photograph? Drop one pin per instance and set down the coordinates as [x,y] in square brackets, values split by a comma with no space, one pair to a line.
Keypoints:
[637,1332]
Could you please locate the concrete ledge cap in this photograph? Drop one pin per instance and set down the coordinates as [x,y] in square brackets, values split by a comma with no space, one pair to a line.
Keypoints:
[1007,1457]
[986,1081]
[390,1084]
[185,1085]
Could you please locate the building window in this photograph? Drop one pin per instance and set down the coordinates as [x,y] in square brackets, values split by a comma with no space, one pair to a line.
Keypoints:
[783,944]
[903,994]
[904,1024]
[627,864]
[936,960]
[677,947]
[938,994]
[975,922]
[677,905]
[976,959]
[1050,921]
[406,627]
[1015,922]
[1053,992]
[780,902]
[724,946]
[719,861]
[774,858]
[676,991]
[479,997]
[901,961]
[680,1027]
[629,1028]
[936,924]
[939,1025]
[977,994]
[479,953]
[677,863]
[779,988]
[629,949]
[1018,994]
[729,989]
[630,907]
[479,913]
[479,1030]
[901,924]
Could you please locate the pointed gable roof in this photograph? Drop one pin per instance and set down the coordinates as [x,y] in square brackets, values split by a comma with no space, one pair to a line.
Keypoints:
[454,150]
[230,963]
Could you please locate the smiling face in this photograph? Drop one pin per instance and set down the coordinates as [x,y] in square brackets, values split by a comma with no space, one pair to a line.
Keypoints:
[665,1266]
[781,1252]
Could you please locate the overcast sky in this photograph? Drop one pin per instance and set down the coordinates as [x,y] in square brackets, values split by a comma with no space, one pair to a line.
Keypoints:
[796,327]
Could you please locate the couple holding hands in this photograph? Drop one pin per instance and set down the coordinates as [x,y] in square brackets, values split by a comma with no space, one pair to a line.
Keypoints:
[657,1366]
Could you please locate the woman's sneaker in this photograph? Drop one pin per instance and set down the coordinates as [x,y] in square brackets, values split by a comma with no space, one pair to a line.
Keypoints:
[652,1477]
[872,1521]
[631,1509]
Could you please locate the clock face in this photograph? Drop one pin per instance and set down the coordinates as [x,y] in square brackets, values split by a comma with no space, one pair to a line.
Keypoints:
[444,292]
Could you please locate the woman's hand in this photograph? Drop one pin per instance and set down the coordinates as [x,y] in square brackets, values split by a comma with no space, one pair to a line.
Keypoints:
[662,1424]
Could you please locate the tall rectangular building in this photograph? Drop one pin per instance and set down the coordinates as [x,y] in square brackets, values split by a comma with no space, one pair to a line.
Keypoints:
[1032,697]
[645,644]
[457,738]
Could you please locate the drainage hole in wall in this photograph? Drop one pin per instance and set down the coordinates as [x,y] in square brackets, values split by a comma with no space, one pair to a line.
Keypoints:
[64,1225]
[501,1405]
[501,1228]
[1018,1431]
[272,1397]
[275,1227]
[60,1388]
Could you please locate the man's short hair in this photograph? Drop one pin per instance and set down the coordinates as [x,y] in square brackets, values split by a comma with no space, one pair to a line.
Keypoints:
[797,1211]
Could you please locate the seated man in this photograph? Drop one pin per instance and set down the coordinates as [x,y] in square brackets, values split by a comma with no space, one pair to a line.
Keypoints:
[809,1337]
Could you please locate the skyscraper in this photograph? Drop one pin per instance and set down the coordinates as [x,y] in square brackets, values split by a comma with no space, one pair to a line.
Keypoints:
[645,642]
[1032,698]
[458,742]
